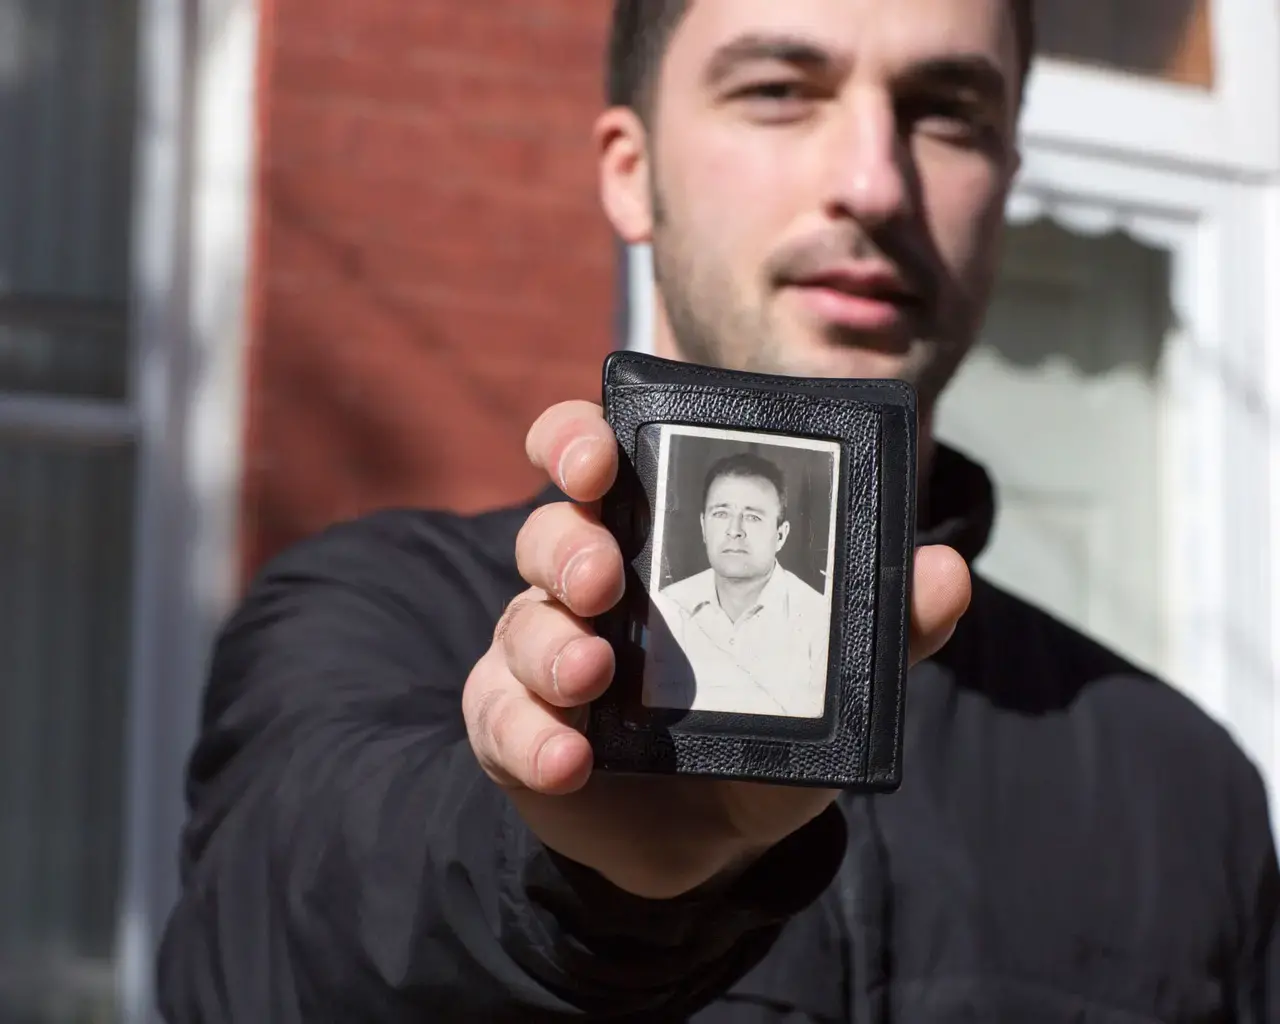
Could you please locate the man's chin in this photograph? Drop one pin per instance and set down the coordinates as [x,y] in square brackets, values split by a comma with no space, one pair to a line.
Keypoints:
[871,359]
[735,571]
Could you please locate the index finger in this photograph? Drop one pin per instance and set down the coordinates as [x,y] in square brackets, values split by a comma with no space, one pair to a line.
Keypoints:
[574,444]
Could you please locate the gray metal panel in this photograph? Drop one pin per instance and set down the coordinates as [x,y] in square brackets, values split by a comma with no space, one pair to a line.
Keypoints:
[67,498]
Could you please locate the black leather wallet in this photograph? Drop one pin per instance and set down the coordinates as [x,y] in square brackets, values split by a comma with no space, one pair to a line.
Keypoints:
[767,525]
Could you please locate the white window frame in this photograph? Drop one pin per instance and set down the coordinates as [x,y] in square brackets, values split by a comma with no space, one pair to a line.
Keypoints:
[194,197]
[1198,175]
[1217,455]
[1073,106]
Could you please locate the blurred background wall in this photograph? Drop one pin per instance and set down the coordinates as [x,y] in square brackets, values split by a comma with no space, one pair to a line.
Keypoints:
[433,266]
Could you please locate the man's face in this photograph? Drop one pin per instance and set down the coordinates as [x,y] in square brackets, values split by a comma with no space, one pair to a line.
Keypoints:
[742,528]
[827,181]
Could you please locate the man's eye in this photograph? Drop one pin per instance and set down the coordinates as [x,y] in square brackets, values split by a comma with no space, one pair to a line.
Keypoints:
[754,519]
[777,90]
[950,119]
[778,101]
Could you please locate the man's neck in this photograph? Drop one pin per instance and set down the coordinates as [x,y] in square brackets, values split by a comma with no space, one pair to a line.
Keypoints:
[926,446]
[664,345]
[737,597]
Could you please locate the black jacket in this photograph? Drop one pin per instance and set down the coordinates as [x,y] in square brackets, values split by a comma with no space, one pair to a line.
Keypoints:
[1073,841]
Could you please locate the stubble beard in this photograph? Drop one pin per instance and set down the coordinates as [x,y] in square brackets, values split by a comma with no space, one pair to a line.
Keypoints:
[709,327]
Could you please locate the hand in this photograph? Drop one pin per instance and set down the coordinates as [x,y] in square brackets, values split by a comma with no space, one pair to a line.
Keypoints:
[526,700]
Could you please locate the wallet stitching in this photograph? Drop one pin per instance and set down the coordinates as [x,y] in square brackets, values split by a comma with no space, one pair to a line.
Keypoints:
[901,668]
[698,371]
[741,393]
[904,623]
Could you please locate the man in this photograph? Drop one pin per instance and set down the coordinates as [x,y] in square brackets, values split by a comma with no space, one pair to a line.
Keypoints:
[394,815]
[746,635]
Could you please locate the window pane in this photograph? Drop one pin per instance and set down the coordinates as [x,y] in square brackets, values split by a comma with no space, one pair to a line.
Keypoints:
[66,130]
[73,361]
[1168,39]
[1077,323]
[66,520]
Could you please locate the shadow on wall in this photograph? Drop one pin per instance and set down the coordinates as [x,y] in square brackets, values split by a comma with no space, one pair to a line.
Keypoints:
[1061,271]
[1051,278]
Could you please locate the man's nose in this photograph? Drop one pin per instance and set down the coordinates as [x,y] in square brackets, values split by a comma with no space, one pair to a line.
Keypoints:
[867,165]
[736,527]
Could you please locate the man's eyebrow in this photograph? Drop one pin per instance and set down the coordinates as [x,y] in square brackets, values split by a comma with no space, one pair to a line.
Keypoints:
[976,72]
[794,50]
[745,508]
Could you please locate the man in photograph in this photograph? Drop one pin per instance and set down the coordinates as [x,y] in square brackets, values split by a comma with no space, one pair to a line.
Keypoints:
[754,634]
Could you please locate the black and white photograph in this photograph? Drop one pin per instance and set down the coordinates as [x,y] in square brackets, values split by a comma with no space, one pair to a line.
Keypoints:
[740,581]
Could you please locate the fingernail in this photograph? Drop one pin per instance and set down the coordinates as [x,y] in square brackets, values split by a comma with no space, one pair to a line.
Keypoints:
[577,454]
[555,669]
[572,567]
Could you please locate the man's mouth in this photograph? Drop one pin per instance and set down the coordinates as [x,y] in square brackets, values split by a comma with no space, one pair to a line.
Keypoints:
[859,298]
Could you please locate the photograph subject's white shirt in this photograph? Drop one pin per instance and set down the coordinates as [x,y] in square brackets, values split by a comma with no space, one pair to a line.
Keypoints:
[772,661]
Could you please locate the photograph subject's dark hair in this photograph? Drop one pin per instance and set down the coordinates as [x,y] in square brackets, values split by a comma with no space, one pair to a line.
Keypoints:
[641,30]
[753,467]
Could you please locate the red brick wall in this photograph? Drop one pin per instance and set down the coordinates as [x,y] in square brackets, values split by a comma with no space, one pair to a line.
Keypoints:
[432,268]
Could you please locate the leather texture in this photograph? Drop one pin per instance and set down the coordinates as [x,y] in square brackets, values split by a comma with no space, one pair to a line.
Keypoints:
[857,744]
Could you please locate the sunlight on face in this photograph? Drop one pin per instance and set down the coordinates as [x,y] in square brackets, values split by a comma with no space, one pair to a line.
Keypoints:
[828,179]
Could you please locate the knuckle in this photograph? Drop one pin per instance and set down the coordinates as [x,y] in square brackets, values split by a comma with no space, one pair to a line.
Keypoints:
[479,683]
[478,711]
[513,616]
[481,712]
[488,715]
[534,522]
[500,717]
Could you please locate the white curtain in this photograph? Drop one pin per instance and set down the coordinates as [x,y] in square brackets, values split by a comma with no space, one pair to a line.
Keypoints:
[66,126]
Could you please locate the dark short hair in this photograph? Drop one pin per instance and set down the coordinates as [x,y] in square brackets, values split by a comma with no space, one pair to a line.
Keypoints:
[641,30]
[745,464]
[638,40]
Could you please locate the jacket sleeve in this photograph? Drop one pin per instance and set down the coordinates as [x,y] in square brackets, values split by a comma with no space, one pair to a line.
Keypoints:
[1257,996]
[345,858]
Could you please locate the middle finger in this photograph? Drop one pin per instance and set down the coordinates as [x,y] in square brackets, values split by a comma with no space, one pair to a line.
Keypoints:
[555,654]
[564,551]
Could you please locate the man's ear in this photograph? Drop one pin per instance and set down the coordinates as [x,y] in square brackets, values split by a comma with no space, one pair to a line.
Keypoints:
[622,149]
[784,531]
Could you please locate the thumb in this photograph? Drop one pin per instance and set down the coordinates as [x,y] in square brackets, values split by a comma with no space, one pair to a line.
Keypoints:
[940,594]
